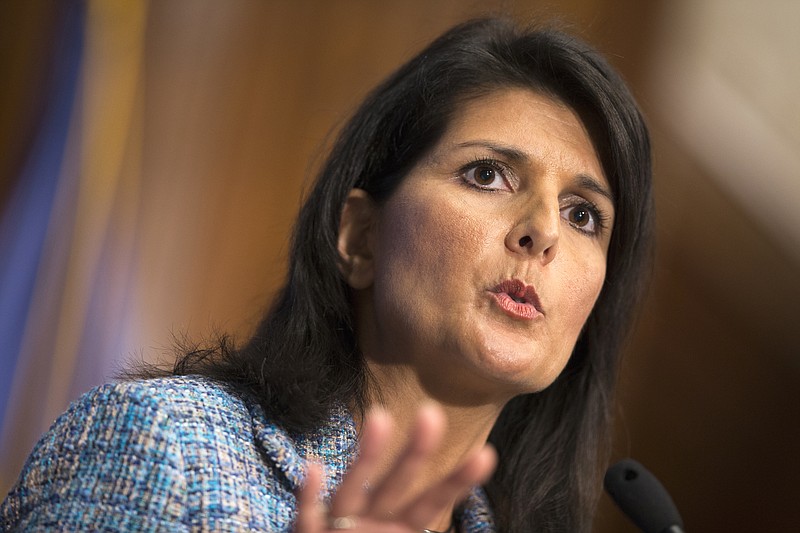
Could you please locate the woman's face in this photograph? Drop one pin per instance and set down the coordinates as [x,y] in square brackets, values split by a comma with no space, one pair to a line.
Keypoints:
[489,257]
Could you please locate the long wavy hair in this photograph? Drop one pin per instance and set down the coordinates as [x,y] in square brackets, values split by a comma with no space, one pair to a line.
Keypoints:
[304,358]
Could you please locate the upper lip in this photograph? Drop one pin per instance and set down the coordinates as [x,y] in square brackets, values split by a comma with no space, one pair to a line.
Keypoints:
[520,290]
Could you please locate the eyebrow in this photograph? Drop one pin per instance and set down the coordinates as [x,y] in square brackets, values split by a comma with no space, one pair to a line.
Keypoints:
[518,156]
[514,154]
[591,184]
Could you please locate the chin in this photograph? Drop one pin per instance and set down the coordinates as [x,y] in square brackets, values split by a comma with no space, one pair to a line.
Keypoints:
[515,375]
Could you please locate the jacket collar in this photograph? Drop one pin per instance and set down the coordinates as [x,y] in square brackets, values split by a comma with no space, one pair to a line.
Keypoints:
[334,445]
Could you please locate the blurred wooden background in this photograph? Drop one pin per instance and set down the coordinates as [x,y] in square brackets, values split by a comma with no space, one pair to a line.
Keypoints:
[196,125]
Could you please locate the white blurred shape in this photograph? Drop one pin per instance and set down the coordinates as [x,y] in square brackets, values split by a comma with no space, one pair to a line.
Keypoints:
[726,82]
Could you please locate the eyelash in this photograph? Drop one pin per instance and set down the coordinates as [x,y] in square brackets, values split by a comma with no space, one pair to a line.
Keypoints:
[598,215]
[501,170]
[499,167]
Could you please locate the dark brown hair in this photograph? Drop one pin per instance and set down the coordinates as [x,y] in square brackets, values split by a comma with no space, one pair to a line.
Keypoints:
[304,357]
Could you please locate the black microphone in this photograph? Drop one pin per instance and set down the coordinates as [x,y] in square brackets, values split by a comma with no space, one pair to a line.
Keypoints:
[642,498]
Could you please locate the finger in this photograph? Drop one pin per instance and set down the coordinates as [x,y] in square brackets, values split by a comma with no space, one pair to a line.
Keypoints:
[350,498]
[309,513]
[475,470]
[393,491]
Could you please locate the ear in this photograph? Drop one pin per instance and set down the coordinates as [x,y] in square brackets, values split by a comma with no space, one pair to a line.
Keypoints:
[356,239]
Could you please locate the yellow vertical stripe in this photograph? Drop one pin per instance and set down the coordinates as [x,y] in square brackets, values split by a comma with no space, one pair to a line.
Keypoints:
[110,100]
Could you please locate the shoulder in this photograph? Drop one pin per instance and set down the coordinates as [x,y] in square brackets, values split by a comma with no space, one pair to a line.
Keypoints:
[113,459]
[170,395]
[150,415]
[190,405]
[169,453]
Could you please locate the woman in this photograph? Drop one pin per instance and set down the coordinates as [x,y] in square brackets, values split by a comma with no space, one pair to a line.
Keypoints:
[471,253]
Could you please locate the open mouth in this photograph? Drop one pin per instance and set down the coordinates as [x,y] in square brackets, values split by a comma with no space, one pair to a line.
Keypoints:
[517,299]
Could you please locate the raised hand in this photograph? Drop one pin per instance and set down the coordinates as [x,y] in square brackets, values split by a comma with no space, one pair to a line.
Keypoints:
[390,506]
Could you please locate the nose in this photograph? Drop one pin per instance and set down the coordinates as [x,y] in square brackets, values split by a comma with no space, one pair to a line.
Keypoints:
[536,235]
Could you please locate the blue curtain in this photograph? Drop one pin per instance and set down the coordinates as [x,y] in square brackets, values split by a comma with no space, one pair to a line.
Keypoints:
[24,223]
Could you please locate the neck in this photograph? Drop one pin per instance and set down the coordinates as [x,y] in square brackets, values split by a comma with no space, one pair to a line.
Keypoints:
[399,391]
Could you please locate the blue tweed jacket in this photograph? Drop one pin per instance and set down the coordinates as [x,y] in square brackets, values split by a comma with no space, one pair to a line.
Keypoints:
[178,454]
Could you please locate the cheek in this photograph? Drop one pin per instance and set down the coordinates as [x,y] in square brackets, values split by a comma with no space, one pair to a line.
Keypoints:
[427,240]
[583,289]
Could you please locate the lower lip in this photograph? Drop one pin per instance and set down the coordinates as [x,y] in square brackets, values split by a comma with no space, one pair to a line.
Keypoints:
[515,309]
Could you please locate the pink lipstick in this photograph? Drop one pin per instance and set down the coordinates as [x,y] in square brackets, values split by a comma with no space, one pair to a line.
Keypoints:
[517,299]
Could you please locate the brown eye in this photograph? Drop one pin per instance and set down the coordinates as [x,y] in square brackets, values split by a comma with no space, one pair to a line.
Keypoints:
[583,217]
[580,217]
[484,175]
